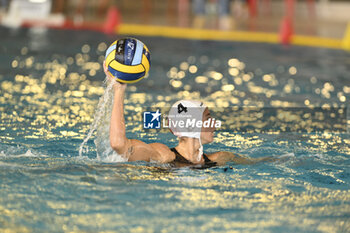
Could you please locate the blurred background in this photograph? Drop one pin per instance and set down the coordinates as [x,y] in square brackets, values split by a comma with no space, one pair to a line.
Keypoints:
[322,18]
[285,101]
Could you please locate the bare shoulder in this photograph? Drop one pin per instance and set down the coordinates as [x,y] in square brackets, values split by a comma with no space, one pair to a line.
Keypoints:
[164,152]
[159,146]
[137,150]
[223,157]
[220,154]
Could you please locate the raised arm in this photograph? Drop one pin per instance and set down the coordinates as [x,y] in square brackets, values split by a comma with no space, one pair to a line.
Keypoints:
[132,149]
[117,134]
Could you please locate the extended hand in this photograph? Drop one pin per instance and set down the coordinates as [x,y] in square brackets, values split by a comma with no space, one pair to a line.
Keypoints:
[116,84]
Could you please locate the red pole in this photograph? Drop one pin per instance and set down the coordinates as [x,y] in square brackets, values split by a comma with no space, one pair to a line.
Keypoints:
[252,8]
[112,21]
[286,28]
[252,5]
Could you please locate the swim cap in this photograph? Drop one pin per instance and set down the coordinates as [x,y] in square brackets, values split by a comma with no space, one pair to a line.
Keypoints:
[189,112]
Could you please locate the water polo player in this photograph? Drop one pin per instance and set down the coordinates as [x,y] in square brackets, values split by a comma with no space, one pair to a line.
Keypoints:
[120,55]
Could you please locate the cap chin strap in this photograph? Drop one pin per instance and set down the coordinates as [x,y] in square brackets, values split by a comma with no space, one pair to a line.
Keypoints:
[200,149]
[200,153]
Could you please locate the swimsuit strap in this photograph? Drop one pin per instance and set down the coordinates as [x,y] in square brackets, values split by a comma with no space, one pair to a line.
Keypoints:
[206,159]
[207,162]
[180,159]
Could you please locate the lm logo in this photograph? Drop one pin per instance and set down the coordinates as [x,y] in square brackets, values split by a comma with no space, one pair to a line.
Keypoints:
[151,120]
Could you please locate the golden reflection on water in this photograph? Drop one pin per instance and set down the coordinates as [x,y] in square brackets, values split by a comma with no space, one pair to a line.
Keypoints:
[216,198]
[233,192]
[59,98]
[63,98]
[60,103]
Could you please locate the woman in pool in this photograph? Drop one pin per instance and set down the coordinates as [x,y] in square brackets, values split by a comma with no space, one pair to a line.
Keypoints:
[189,151]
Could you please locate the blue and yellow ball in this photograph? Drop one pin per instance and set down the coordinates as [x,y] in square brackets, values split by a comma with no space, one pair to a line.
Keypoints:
[128,60]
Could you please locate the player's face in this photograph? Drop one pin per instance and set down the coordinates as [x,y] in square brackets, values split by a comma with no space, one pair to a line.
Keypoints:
[207,134]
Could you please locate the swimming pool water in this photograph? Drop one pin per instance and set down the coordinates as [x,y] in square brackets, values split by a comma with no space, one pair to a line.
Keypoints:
[50,85]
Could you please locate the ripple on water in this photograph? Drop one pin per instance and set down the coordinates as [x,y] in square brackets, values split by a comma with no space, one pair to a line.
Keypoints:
[48,102]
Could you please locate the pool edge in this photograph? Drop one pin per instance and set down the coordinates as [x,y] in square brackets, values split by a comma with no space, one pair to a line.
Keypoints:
[219,35]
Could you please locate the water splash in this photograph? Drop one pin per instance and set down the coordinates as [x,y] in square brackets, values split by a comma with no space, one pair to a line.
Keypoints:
[12,154]
[100,124]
